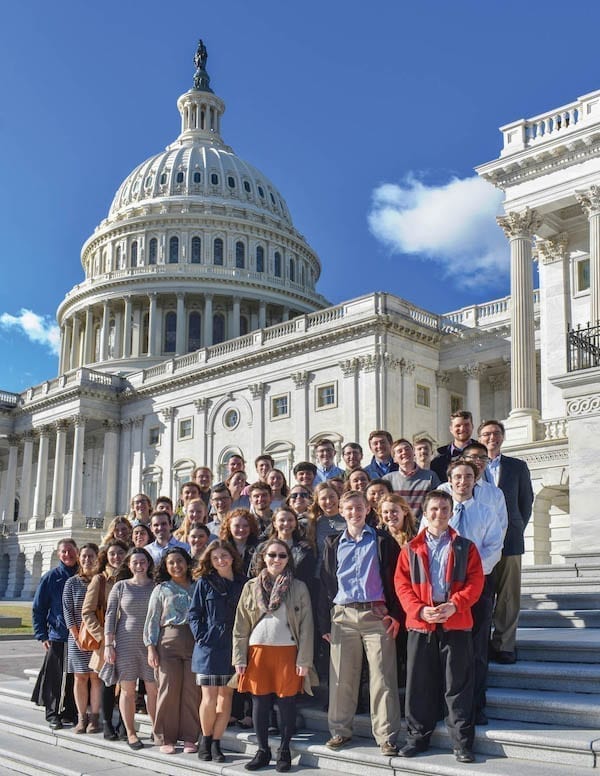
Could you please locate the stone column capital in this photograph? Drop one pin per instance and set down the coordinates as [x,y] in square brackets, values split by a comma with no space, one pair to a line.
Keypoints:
[406,367]
[13,440]
[61,425]
[520,225]
[349,367]
[78,420]
[553,249]
[111,426]
[442,379]
[168,413]
[202,405]
[257,390]
[370,362]
[472,369]
[589,200]
[44,431]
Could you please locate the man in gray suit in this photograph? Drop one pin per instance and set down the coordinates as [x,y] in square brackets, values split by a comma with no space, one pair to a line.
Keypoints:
[512,476]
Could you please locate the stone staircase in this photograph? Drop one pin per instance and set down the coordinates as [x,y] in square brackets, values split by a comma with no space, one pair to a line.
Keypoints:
[544,711]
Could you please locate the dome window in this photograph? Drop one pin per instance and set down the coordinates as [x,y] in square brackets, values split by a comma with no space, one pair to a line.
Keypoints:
[272,197]
[277,264]
[197,177]
[261,192]
[152,251]
[260,259]
[247,187]
[180,177]
[174,250]
[240,255]
[218,252]
[148,181]
[170,332]
[214,179]
[196,250]
[194,332]
[163,179]
[231,182]
[134,253]
[292,271]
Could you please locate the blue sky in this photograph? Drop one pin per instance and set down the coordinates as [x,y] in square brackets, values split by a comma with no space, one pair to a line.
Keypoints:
[368,117]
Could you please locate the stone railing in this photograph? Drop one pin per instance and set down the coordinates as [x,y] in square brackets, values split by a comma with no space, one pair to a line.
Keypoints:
[78,377]
[491,313]
[9,399]
[550,430]
[525,133]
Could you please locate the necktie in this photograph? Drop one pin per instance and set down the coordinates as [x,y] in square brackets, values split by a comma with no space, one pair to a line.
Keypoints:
[459,512]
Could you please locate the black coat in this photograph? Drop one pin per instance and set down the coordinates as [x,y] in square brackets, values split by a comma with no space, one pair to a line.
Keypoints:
[444,457]
[515,483]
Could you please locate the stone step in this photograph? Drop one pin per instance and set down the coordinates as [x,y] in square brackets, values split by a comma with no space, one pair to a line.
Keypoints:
[554,571]
[545,600]
[559,618]
[27,740]
[556,708]
[552,586]
[562,677]
[561,645]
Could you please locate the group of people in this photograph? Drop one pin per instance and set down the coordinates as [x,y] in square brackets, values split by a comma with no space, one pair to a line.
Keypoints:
[212,613]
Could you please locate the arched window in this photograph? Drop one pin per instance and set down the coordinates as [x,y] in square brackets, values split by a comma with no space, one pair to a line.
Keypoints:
[180,177]
[218,328]
[118,257]
[170,332]
[196,250]
[277,264]
[292,271]
[240,255]
[218,251]
[260,258]
[194,332]
[134,251]
[197,177]
[152,251]
[173,250]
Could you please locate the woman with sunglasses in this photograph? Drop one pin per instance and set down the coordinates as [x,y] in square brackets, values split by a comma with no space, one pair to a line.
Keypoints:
[274,609]
[299,500]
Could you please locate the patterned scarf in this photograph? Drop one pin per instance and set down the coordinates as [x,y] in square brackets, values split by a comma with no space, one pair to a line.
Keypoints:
[271,592]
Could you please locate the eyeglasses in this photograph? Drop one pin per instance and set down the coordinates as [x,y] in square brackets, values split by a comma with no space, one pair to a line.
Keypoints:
[279,555]
[299,495]
[476,457]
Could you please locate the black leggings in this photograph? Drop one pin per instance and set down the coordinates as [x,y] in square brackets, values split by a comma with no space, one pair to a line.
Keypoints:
[261,708]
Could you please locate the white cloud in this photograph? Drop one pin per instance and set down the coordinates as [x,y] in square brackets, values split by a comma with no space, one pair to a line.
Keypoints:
[38,328]
[453,225]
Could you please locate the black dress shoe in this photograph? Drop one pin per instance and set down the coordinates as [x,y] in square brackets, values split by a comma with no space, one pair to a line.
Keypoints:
[261,759]
[464,755]
[55,724]
[284,760]
[136,745]
[481,718]
[410,750]
[110,734]
[505,658]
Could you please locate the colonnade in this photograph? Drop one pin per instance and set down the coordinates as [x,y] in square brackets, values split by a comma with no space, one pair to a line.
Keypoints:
[135,325]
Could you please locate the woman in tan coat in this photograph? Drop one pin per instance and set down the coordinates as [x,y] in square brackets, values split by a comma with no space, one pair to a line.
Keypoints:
[93,611]
[273,647]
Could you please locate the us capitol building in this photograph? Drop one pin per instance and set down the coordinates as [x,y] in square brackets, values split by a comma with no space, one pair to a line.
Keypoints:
[198,331]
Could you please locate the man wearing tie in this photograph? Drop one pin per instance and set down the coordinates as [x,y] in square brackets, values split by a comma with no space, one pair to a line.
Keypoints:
[512,477]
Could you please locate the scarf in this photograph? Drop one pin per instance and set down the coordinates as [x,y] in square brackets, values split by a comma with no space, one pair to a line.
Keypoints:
[271,592]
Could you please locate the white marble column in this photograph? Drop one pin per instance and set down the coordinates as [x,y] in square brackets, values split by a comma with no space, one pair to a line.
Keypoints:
[180,347]
[262,314]
[301,411]
[58,483]
[202,407]
[168,414]
[118,341]
[88,347]
[257,391]
[74,357]
[41,480]
[26,472]
[443,405]
[152,324]
[76,496]
[110,463]
[66,350]
[137,427]
[8,500]
[126,349]
[104,332]
[472,373]
[349,369]
[207,320]
[235,331]
[520,228]
[590,202]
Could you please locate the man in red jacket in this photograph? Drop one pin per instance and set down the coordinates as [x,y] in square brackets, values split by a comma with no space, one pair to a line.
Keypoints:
[438,579]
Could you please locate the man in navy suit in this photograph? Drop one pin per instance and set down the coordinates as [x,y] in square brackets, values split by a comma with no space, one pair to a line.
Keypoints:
[512,476]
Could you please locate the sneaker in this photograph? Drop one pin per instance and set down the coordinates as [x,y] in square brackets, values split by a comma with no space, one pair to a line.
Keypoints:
[337,742]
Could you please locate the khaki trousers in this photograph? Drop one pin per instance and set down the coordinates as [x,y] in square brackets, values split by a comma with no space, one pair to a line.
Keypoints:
[177,716]
[351,631]
[507,575]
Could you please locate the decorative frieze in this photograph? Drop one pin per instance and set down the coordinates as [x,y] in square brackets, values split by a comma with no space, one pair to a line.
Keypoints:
[585,405]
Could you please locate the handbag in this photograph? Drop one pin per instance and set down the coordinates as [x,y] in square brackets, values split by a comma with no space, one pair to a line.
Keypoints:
[86,641]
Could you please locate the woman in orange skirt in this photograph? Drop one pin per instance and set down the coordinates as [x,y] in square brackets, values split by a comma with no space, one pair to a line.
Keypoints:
[273,647]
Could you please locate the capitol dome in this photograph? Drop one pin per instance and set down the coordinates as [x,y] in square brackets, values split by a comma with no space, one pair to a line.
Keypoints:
[198,247]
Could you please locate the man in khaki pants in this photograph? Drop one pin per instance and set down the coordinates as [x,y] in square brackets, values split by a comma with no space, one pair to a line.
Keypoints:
[359,609]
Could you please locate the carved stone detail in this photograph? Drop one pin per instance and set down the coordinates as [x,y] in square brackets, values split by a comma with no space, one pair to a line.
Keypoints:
[442,379]
[472,369]
[370,362]
[168,413]
[350,366]
[553,249]
[202,405]
[586,405]
[523,224]
[589,200]
[257,390]
[111,426]
[406,367]
[301,379]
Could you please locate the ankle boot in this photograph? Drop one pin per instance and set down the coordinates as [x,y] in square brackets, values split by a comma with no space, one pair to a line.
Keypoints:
[217,754]
[81,725]
[204,748]
[284,760]
[261,759]
[93,725]
[109,732]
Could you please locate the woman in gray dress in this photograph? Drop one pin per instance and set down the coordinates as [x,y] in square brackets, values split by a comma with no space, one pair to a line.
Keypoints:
[123,636]
[78,658]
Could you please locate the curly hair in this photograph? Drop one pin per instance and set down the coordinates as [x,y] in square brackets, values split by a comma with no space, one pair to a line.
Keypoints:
[160,572]
[225,531]
[205,565]
[103,554]
[110,531]
[125,572]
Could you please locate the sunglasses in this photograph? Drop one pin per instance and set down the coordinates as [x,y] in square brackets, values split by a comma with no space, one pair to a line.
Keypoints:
[299,495]
[279,555]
